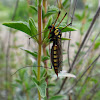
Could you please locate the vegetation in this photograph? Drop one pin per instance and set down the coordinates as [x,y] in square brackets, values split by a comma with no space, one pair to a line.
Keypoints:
[25,70]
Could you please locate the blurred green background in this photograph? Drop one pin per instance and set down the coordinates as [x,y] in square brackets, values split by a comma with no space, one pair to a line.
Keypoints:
[12,58]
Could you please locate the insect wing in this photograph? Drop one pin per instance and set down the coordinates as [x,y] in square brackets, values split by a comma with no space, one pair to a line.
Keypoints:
[60,57]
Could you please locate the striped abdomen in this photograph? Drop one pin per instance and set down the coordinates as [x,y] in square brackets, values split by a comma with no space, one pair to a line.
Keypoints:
[56,58]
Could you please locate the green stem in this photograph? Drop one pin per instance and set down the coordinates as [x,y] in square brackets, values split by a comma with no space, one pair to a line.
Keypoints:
[39,43]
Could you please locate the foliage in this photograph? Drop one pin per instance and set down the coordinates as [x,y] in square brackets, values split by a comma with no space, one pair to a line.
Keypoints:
[24,83]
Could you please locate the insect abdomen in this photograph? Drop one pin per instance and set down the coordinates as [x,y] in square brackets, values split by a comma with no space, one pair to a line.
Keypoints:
[55,58]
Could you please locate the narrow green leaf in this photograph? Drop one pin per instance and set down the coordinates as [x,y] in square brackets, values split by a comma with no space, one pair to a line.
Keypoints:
[65,39]
[51,10]
[49,13]
[34,72]
[67,29]
[19,25]
[34,54]
[41,86]
[19,81]
[43,72]
[45,58]
[97,45]
[58,97]
[45,34]
[35,81]
[64,3]
[33,28]
[79,17]
[51,85]
[34,8]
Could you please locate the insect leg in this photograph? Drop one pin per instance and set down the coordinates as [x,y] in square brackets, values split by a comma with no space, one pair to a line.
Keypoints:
[66,26]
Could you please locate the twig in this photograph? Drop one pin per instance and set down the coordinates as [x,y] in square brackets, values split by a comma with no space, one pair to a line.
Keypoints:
[93,93]
[8,51]
[87,33]
[82,57]
[69,12]
[86,79]
[92,90]
[70,33]
[83,74]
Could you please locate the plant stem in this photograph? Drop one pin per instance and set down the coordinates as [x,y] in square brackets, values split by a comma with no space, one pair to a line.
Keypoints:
[45,9]
[39,43]
[44,45]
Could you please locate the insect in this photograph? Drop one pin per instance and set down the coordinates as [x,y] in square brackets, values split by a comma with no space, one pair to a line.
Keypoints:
[55,35]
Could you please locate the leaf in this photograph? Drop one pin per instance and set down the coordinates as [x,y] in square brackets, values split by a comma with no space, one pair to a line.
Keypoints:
[51,85]
[19,81]
[35,81]
[65,39]
[45,34]
[58,97]
[77,43]
[33,28]
[34,72]
[78,17]
[67,29]
[41,86]
[22,74]
[19,25]
[34,54]
[43,72]
[97,45]
[45,58]
[34,8]
[51,10]
[49,13]
[64,2]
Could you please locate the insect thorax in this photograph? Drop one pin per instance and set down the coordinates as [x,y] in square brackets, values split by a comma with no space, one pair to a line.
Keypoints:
[55,33]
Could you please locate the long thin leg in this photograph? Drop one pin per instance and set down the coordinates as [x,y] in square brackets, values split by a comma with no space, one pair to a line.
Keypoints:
[66,26]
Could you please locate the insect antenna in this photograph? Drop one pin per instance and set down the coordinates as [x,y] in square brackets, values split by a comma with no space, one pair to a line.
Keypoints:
[23,68]
[38,34]
[27,67]
[33,36]
[62,19]
[57,17]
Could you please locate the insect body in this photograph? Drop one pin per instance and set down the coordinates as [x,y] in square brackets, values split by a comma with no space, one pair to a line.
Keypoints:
[56,54]
[56,50]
